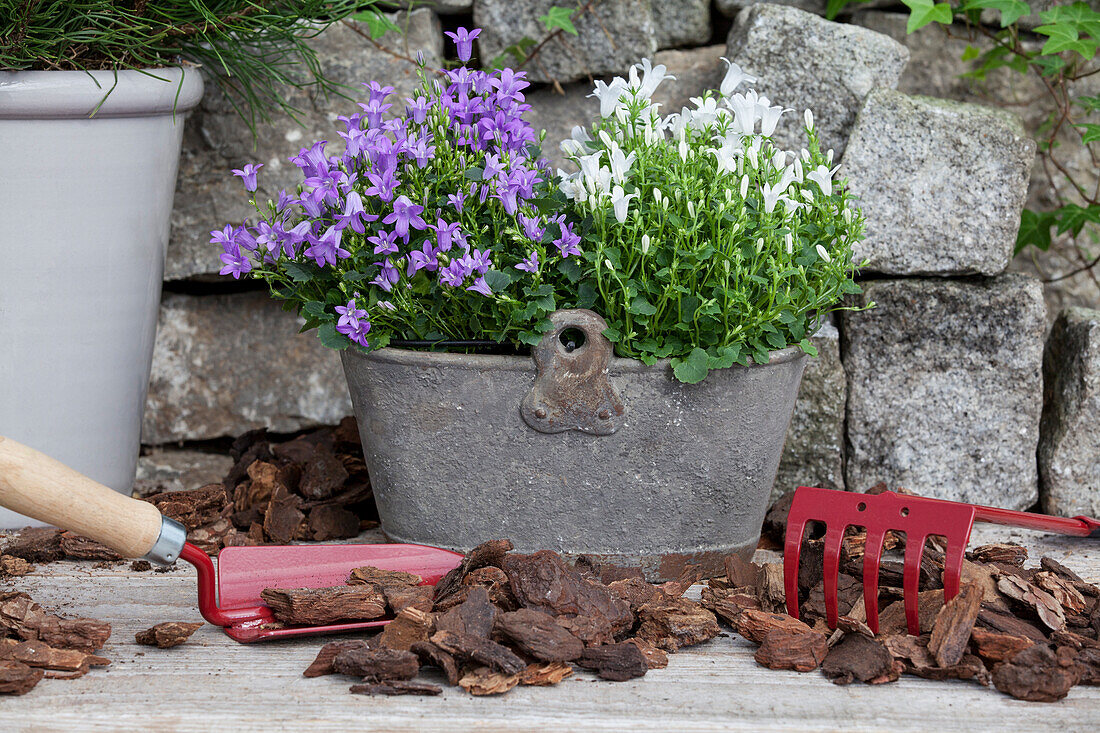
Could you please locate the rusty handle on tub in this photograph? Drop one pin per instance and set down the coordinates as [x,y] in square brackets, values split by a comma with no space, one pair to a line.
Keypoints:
[572,390]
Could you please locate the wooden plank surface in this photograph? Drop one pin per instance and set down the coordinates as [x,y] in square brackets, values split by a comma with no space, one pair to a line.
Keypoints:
[212,683]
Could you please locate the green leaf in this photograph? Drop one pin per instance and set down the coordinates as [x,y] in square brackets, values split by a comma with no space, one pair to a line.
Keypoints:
[642,307]
[497,280]
[299,272]
[693,368]
[1091,133]
[315,309]
[377,23]
[1034,230]
[1065,37]
[559,18]
[1011,11]
[808,347]
[474,174]
[331,338]
[970,53]
[923,12]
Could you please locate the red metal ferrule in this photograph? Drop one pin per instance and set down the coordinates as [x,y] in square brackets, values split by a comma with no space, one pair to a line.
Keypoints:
[208,597]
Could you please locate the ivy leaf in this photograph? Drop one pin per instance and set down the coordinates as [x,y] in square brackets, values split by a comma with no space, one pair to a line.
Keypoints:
[692,369]
[923,12]
[807,346]
[497,280]
[1064,37]
[331,338]
[315,309]
[1091,133]
[1011,11]
[1034,230]
[559,18]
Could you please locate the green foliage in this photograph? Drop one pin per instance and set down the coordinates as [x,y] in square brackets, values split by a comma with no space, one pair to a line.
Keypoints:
[556,20]
[248,49]
[923,12]
[559,18]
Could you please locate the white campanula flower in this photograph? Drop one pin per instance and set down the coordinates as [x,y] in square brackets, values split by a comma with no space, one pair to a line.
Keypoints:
[769,118]
[620,164]
[571,185]
[726,158]
[733,78]
[823,254]
[652,76]
[823,177]
[609,95]
[620,202]
[657,195]
[744,113]
[806,194]
[705,113]
[677,122]
[590,165]
[805,155]
[773,194]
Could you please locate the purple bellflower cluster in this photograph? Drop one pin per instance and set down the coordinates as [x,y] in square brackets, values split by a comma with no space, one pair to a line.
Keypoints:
[431,205]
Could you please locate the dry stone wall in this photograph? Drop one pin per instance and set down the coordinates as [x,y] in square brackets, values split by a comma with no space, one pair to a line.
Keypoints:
[938,388]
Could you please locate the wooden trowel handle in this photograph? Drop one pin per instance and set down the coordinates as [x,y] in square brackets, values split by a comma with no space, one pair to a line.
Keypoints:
[36,485]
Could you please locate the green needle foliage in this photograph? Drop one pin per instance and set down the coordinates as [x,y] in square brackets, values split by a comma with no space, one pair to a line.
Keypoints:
[248,48]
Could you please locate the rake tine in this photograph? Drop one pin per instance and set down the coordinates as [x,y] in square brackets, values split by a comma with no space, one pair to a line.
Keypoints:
[914,550]
[833,539]
[872,553]
[792,546]
[952,568]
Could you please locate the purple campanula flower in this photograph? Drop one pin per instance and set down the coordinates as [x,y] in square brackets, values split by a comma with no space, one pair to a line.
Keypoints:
[248,175]
[313,202]
[493,168]
[480,286]
[354,216]
[225,236]
[353,322]
[373,111]
[378,93]
[464,42]
[531,264]
[532,227]
[326,248]
[294,237]
[444,233]
[462,79]
[568,241]
[388,276]
[508,194]
[510,84]
[312,160]
[351,122]
[242,235]
[479,260]
[267,237]
[455,273]
[417,109]
[285,202]
[457,200]
[422,152]
[235,262]
[382,185]
[385,243]
[355,141]
[405,214]
[423,259]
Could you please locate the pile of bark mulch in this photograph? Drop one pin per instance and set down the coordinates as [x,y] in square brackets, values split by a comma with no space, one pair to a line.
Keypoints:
[313,487]
[1030,631]
[499,620]
[36,644]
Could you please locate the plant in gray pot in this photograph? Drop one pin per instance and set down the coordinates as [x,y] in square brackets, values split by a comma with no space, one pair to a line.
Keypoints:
[599,363]
[93,97]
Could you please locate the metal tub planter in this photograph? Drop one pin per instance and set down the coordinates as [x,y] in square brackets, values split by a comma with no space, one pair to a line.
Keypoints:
[573,450]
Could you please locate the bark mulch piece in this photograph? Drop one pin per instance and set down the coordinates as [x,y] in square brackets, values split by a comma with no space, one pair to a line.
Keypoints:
[17,678]
[786,648]
[397,687]
[22,617]
[36,644]
[544,582]
[675,623]
[479,650]
[432,656]
[475,616]
[408,627]
[537,634]
[322,665]
[858,658]
[14,567]
[952,627]
[1037,673]
[654,657]
[544,674]
[755,625]
[484,555]
[167,634]
[617,662]
[319,606]
[376,664]
[485,681]
[993,646]
[592,630]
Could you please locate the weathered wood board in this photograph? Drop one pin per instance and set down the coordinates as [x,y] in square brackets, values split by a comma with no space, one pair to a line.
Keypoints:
[213,683]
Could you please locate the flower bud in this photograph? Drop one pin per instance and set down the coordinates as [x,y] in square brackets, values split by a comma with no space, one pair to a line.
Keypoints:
[759,245]
[823,254]
[657,195]
[691,209]
[744,186]
[645,243]
[609,266]
[790,242]
[829,156]
[808,117]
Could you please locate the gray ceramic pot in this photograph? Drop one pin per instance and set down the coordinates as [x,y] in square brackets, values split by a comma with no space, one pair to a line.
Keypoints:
[84,206]
[578,452]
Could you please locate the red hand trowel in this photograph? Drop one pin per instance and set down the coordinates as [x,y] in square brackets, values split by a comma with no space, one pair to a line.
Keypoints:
[38,486]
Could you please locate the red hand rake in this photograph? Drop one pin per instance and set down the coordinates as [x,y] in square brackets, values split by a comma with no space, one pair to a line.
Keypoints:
[916,516]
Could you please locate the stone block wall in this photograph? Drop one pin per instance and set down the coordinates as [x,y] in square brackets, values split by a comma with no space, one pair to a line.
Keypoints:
[939,388]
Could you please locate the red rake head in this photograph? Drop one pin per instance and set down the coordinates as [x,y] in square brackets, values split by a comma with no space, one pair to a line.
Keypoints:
[917,517]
